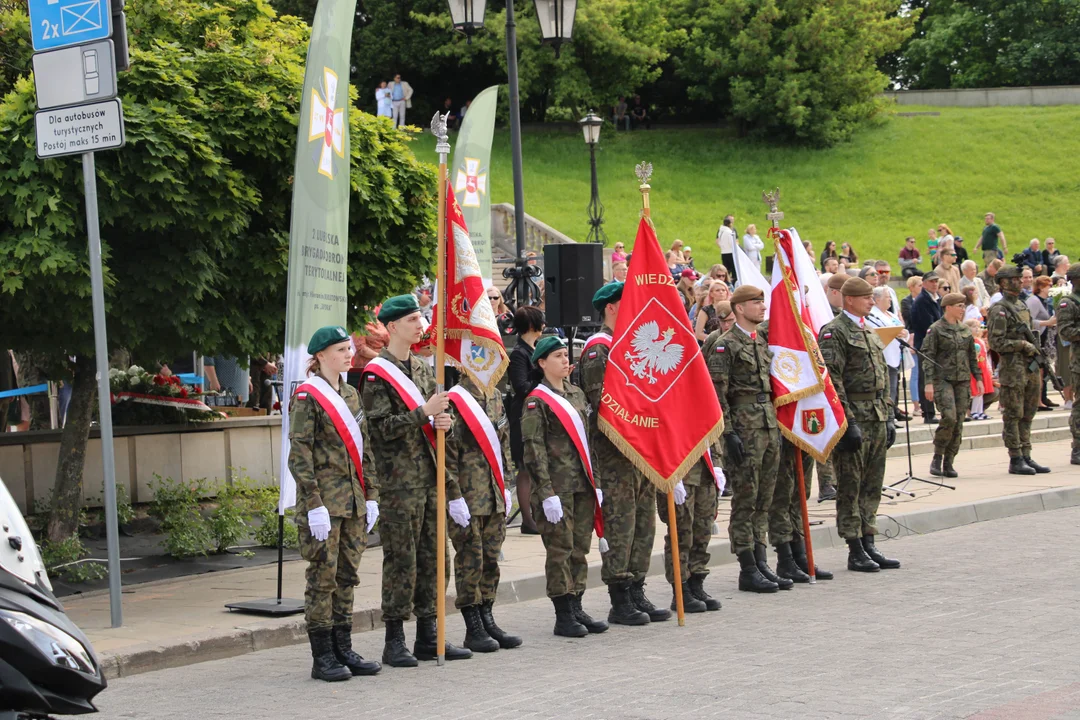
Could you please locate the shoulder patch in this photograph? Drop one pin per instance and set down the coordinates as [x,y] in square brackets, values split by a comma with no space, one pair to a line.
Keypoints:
[826,336]
[371,377]
[1001,313]
[592,354]
[531,404]
[301,396]
[720,348]
[1064,304]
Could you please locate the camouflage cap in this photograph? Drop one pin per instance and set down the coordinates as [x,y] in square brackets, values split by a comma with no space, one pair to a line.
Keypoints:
[324,337]
[612,292]
[857,287]
[836,282]
[953,299]
[547,345]
[398,307]
[1073,274]
[745,293]
[1008,272]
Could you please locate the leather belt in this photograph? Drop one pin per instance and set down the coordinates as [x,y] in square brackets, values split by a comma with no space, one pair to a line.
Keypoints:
[758,399]
[880,394]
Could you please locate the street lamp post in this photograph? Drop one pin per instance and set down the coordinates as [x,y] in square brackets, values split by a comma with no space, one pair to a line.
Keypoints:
[590,127]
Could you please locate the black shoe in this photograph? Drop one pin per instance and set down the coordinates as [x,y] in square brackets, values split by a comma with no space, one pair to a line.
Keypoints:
[761,557]
[935,466]
[948,469]
[902,416]
[1041,469]
[425,647]
[637,597]
[324,665]
[343,652]
[1075,459]
[857,559]
[593,626]
[1047,403]
[727,492]
[505,640]
[786,567]
[476,635]
[871,549]
[697,589]
[1017,466]
[690,603]
[565,624]
[395,653]
[798,549]
[622,610]
[750,577]
[826,492]
[930,421]
[1043,408]
[529,531]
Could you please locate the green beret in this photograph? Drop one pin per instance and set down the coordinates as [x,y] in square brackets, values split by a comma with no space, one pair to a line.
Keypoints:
[612,292]
[745,293]
[857,287]
[324,337]
[547,345]
[398,307]
[836,282]
[1009,271]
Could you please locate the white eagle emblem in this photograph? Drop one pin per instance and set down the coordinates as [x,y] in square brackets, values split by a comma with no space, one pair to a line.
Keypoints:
[653,351]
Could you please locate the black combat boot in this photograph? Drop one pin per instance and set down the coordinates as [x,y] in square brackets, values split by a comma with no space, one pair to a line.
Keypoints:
[948,470]
[697,589]
[594,626]
[324,665]
[343,652]
[1075,460]
[476,635]
[642,603]
[622,610]
[871,550]
[1017,466]
[395,653]
[690,603]
[935,466]
[798,550]
[426,645]
[750,577]
[786,567]
[857,559]
[1035,466]
[565,624]
[505,640]
[761,556]
[826,492]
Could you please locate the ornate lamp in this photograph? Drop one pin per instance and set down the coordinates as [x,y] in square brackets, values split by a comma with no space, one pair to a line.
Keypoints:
[467,15]
[556,19]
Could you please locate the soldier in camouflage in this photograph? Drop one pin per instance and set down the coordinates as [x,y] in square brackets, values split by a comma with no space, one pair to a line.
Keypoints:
[405,462]
[333,512]
[855,357]
[1068,327]
[478,534]
[951,359]
[562,497]
[1008,333]
[630,498]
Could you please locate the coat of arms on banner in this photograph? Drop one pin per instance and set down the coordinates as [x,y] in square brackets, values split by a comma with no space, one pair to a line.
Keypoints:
[655,352]
[813,421]
[327,124]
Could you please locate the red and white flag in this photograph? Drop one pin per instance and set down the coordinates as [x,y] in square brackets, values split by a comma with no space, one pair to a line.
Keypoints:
[807,406]
[658,405]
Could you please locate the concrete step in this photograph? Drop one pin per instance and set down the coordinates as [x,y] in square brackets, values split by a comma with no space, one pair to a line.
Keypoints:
[982,434]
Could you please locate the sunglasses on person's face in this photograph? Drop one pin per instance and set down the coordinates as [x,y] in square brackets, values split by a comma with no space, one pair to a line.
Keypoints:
[946,287]
[494,298]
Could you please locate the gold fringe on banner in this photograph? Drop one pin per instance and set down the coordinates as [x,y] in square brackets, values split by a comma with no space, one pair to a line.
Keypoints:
[663,484]
[487,343]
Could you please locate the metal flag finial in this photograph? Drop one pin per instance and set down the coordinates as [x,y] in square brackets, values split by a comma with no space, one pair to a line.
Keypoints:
[438,129]
[772,199]
[643,170]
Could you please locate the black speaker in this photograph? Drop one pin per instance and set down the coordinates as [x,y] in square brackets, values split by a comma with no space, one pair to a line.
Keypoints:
[572,275]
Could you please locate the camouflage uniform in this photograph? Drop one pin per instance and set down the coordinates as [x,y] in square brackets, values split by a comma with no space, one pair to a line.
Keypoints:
[694,520]
[1068,327]
[325,477]
[405,462]
[469,475]
[856,361]
[629,497]
[739,366]
[556,469]
[1020,384]
[952,347]
[785,513]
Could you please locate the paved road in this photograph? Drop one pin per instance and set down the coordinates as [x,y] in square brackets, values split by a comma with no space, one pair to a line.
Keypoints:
[982,622]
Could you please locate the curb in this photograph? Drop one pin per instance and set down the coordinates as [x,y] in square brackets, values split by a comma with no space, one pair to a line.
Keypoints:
[266,634]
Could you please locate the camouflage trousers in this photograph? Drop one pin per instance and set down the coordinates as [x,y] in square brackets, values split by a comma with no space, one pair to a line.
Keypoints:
[629,522]
[407,526]
[476,558]
[859,478]
[752,482]
[1018,407]
[694,520]
[1074,417]
[567,542]
[332,570]
[785,513]
[953,401]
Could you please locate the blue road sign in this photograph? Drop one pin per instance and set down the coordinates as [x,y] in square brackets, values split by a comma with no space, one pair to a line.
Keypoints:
[60,23]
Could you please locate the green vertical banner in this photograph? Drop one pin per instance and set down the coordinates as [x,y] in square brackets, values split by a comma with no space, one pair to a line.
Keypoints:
[319,236]
[471,172]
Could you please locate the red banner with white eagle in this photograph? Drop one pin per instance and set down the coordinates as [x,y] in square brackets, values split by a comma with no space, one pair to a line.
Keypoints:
[658,405]
[807,406]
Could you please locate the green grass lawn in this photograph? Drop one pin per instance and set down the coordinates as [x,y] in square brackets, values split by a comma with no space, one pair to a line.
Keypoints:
[899,178]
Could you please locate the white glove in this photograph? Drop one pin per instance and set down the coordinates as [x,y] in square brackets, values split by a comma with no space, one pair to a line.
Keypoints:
[680,493]
[507,500]
[372,513]
[459,511]
[318,521]
[553,509]
[721,481]
[599,496]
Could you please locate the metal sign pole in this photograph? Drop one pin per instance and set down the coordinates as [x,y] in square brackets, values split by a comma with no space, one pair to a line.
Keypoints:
[97,287]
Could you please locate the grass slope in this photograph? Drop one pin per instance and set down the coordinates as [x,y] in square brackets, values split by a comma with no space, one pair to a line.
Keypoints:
[899,178]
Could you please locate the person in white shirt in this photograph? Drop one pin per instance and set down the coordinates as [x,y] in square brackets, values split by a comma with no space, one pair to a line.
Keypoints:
[752,244]
[881,317]
[383,107]
[968,269]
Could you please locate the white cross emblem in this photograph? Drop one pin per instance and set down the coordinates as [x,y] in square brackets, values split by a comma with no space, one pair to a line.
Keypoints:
[472,181]
[327,123]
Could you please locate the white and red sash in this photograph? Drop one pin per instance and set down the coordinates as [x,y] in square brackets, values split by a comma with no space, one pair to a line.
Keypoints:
[482,429]
[405,387]
[600,338]
[575,428]
[344,421]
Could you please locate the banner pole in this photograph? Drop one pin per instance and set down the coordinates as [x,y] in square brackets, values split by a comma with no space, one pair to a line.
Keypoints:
[438,128]
[800,478]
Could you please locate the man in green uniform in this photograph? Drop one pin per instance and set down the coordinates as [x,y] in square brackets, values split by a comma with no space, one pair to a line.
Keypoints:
[1008,333]
[739,365]
[856,361]
[629,497]
[1068,327]
[405,461]
[952,359]
[826,473]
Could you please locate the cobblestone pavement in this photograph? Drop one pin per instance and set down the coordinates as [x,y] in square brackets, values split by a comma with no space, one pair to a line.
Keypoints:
[981,622]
